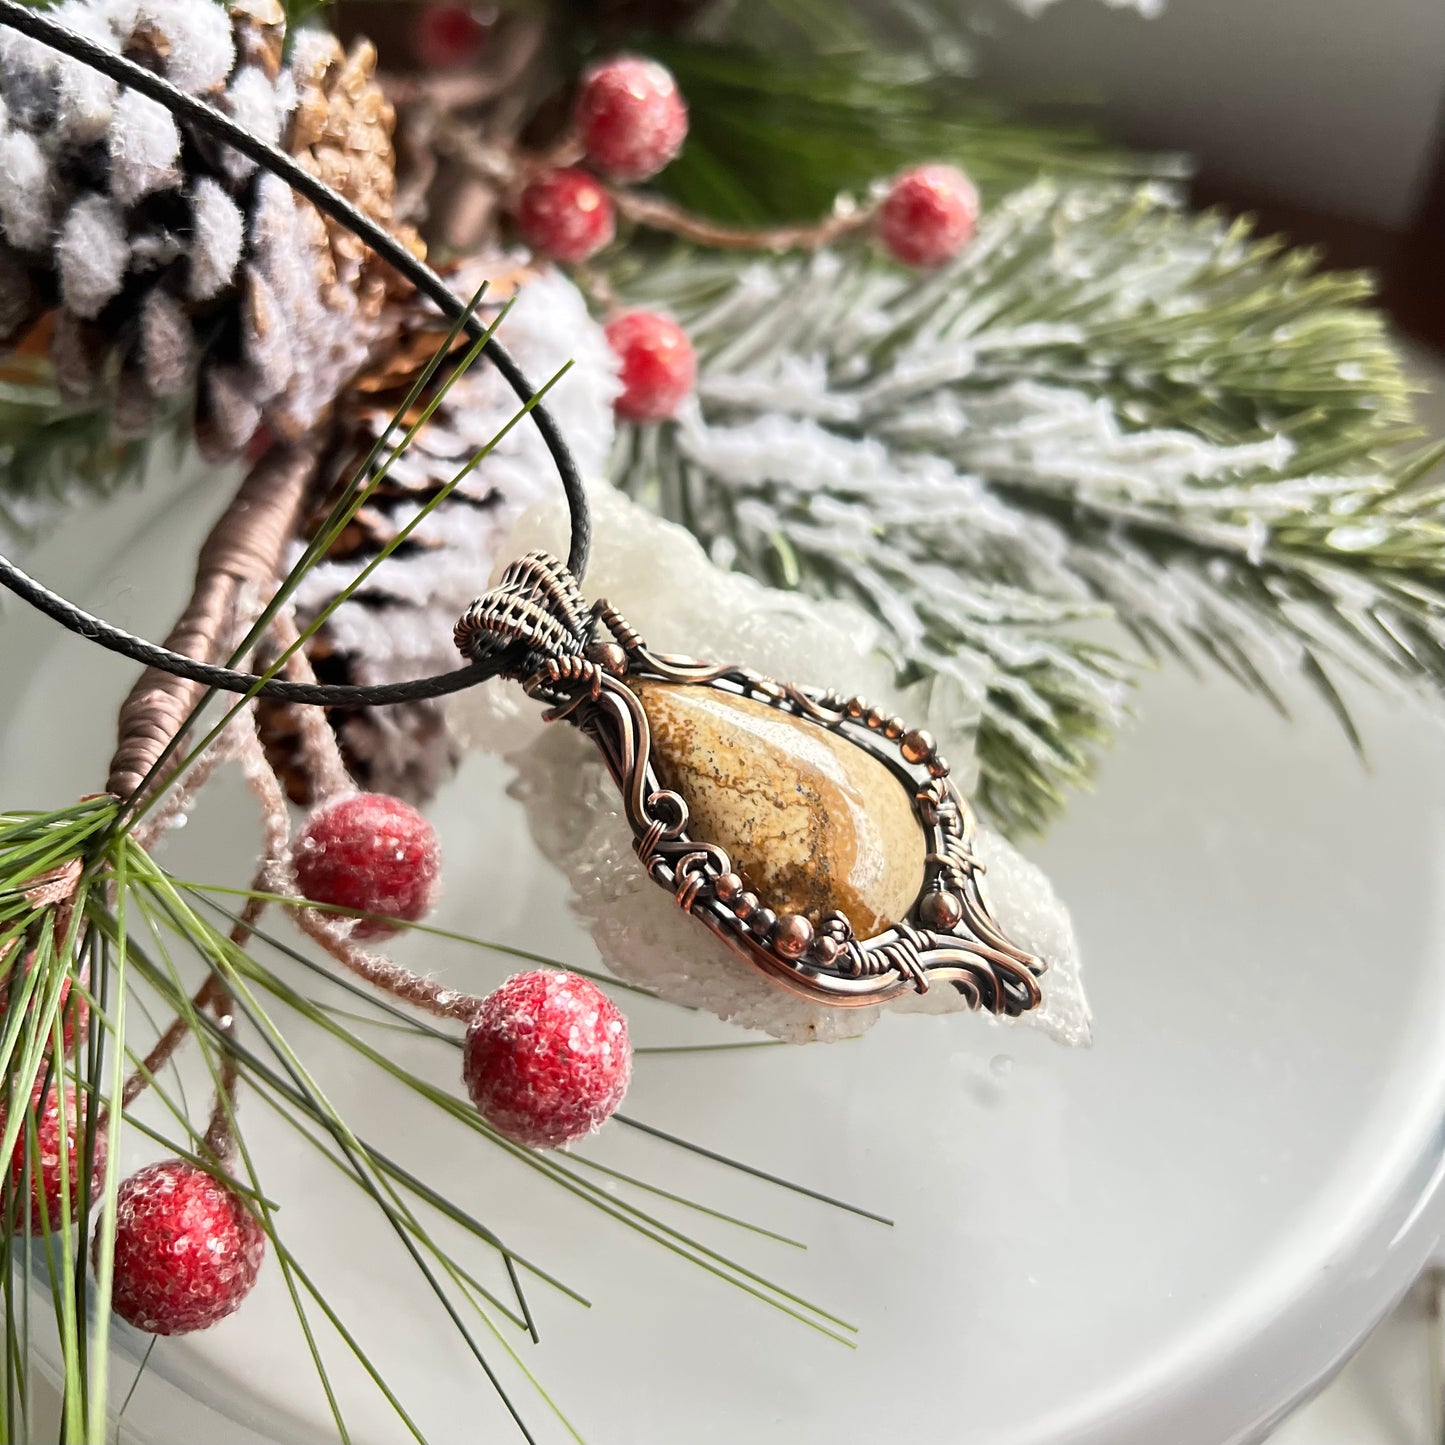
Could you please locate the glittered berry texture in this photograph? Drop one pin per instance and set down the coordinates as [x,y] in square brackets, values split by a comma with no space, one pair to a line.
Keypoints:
[372,853]
[657,364]
[51,1144]
[928,216]
[566,215]
[630,117]
[74,1010]
[187,1251]
[547,1058]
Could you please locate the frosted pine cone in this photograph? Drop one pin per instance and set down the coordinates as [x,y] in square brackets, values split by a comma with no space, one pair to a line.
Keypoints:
[155,258]
[400,625]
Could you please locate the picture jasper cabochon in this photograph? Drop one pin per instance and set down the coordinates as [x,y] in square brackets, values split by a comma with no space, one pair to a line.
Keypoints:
[820,838]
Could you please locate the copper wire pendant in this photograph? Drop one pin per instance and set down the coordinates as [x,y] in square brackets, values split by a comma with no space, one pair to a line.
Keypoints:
[818,837]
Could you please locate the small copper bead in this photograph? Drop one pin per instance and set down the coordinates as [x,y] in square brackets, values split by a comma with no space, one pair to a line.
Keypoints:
[609,657]
[894,729]
[825,951]
[941,911]
[794,935]
[874,718]
[728,886]
[745,904]
[856,707]
[917,746]
[761,922]
[938,767]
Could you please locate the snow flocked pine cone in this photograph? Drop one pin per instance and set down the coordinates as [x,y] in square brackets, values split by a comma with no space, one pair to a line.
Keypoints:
[151,259]
[400,625]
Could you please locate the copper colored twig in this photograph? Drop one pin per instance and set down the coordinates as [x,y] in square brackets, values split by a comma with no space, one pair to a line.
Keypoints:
[663,215]
[401,983]
[320,751]
[220,1138]
[179,791]
[330,931]
[53,886]
[213,995]
[243,548]
[165,1046]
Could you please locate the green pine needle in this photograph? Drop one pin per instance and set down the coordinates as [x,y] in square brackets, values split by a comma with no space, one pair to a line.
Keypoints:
[136,928]
[775,136]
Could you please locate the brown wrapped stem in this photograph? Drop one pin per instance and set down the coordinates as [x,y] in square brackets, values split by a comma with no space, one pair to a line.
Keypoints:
[242,553]
[211,994]
[661,215]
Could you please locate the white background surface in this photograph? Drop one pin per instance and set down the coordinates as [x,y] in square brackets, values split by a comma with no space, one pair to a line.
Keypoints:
[1165,1238]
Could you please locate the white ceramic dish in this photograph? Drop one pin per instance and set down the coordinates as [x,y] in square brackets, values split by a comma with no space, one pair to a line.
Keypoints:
[1170,1237]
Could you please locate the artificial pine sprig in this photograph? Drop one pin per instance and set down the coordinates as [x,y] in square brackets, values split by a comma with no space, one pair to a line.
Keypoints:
[99,920]
[1103,407]
[776,135]
[148,932]
[50,455]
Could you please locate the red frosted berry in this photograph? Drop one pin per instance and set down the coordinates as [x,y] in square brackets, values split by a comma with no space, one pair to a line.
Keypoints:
[566,215]
[51,1145]
[929,215]
[547,1058]
[371,853]
[187,1250]
[448,37]
[74,1010]
[630,117]
[657,364]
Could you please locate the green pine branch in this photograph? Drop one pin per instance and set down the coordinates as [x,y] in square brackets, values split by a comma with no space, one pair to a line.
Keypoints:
[1105,406]
[776,135]
[793,103]
[51,454]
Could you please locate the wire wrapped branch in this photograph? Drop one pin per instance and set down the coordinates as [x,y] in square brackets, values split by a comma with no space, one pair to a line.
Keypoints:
[243,550]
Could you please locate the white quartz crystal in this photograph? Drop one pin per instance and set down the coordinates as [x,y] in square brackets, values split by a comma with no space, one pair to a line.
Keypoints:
[659,577]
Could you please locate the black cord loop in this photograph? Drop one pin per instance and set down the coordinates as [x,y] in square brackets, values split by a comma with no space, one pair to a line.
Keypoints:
[191,109]
[227,679]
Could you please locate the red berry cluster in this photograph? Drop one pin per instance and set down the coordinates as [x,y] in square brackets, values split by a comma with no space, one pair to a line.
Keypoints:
[630,121]
[42,1145]
[546,1061]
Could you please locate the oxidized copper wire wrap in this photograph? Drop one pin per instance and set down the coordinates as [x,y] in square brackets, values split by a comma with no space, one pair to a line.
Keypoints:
[578,659]
[243,550]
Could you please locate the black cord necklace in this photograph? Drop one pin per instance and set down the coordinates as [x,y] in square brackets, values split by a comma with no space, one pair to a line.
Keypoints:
[918,919]
[38,26]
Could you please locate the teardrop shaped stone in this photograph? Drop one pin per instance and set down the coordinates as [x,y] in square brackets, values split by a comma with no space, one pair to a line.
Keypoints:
[810,820]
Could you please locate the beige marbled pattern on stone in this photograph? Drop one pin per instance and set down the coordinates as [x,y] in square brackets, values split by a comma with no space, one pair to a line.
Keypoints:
[810,820]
